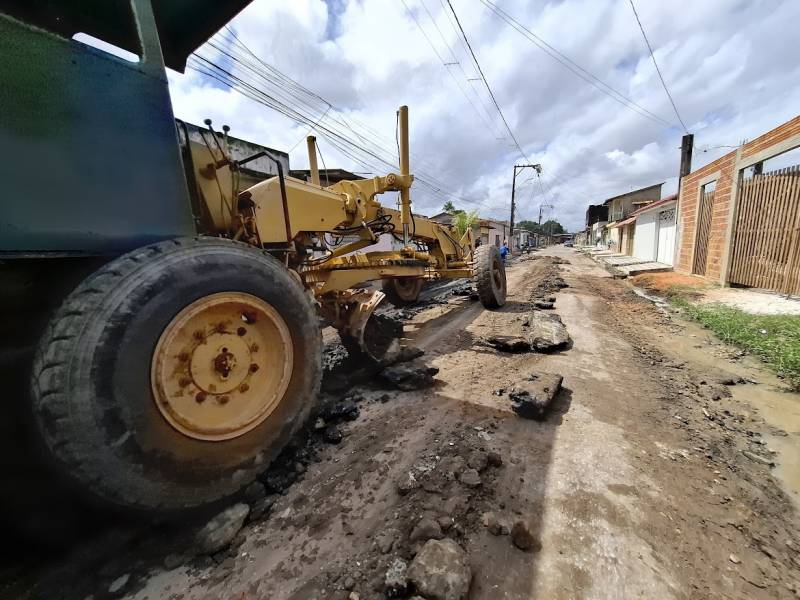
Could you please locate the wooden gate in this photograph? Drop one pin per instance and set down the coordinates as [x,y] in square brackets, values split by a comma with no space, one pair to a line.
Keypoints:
[766,235]
[703,231]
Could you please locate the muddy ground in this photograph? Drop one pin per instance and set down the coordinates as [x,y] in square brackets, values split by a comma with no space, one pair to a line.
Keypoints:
[665,468]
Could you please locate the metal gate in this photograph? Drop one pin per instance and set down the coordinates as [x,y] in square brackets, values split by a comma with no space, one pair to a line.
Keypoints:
[767,232]
[704,212]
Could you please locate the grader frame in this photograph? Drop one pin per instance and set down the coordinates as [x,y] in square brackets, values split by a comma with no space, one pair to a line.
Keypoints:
[169,321]
[293,219]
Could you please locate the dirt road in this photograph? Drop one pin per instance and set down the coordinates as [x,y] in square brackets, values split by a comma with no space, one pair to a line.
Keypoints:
[646,480]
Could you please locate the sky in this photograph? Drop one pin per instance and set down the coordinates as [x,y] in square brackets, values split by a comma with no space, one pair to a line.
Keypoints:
[731,66]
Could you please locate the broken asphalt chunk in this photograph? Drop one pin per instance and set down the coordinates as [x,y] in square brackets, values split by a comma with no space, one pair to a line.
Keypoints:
[531,399]
[547,332]
[507,343]
[409,377]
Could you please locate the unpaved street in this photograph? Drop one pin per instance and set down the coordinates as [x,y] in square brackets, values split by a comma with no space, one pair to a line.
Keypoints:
[642,482]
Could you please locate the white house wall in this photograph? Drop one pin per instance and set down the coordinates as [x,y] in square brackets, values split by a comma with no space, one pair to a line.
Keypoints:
[644,241]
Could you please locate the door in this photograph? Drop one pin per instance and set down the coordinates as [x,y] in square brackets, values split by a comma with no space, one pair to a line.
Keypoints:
[666,236]
[703,232]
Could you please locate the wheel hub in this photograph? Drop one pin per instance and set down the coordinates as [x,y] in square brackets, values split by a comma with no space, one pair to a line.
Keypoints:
[222,366]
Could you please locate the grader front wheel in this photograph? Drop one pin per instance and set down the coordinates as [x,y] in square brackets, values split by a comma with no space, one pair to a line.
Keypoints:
[490,276]
[175,374]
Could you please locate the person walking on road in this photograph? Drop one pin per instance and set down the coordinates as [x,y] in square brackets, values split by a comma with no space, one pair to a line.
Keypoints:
[504,250]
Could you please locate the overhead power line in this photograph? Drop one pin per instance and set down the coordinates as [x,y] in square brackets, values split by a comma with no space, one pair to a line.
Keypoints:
[485,81]
[247,74]
[660,76]
[457,62]
[446,66]
[573,66]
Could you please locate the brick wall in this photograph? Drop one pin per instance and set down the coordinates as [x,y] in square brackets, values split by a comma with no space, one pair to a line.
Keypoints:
[728,174]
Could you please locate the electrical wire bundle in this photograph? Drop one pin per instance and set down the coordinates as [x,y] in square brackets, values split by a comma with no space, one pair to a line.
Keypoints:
[227,60]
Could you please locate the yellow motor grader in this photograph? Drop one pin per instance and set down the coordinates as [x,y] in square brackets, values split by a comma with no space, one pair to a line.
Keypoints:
[186,350]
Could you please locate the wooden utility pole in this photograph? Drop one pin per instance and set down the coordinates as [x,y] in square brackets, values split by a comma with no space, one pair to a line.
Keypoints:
[687,144]
[517,168]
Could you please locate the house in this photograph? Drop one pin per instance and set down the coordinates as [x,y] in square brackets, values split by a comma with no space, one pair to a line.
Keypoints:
[655,227]
[250,173]
[487,231]
[619,237]
[596,219]
[523,237]
[737,221]
[493,232]
[326,176]
[443,218]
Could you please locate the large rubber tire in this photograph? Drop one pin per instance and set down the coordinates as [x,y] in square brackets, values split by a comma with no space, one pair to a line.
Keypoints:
[91,385]
[490,276]
[402,291]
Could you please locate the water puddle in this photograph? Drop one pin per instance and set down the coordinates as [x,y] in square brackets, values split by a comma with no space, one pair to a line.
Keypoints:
[782,410]
[779,408]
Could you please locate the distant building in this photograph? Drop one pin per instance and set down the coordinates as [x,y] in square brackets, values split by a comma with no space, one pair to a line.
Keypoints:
[443,218]
[326,176]
[618,236]
[493,232]
[252,172]
[596,213]
[523,237]
[487,231]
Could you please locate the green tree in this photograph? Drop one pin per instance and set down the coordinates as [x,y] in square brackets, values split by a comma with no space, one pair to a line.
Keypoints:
[531,226]
[464,221]
[553,227]
[449,207]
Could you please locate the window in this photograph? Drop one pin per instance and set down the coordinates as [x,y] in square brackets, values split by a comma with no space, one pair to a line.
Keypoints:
[88,40]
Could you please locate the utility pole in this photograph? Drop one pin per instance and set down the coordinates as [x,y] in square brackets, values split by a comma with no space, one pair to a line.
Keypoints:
[687,145]
[538,168]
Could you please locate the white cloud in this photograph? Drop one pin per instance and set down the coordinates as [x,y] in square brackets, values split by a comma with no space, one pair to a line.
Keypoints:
[732,68]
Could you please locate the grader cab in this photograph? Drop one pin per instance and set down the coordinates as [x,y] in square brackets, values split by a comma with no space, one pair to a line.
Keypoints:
[185,349]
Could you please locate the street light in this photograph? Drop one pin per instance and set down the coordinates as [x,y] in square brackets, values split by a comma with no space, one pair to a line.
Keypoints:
[517,168]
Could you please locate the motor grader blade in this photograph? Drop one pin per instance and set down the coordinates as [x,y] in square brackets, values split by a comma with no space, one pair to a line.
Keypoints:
[374,335]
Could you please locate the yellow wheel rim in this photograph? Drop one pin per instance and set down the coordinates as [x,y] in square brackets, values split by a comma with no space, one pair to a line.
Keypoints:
[222,366]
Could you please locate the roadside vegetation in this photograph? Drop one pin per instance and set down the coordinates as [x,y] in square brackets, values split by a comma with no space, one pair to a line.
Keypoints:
[775,338]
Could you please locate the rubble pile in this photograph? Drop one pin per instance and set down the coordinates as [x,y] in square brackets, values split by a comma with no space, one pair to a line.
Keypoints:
[421,554]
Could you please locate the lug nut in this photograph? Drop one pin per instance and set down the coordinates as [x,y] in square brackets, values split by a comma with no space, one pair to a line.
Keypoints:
[200,397]
[199,335]
[220,328]
[253,368]
[254,348]
[244,387]
[223,400]
[184,381]
[241,331]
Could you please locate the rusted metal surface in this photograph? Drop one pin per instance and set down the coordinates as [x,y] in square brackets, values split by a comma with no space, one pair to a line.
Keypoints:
[206,372]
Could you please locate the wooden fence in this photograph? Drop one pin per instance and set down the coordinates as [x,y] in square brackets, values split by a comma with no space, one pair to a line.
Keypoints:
[766,242]
[704,212]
